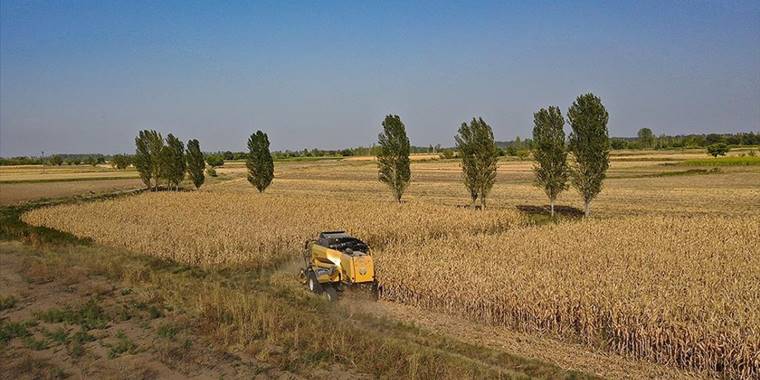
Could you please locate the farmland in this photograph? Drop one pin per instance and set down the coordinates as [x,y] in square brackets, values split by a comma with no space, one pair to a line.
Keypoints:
[666,271]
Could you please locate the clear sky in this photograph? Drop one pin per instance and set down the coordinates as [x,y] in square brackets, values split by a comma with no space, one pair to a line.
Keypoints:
[86,76]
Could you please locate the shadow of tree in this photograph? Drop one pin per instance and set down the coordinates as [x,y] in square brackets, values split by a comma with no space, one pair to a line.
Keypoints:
[565,211]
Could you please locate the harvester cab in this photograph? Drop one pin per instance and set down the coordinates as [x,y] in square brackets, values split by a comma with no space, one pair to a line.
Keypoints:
[336,261]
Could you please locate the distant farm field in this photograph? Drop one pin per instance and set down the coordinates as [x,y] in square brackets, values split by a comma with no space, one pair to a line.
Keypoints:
[667,269]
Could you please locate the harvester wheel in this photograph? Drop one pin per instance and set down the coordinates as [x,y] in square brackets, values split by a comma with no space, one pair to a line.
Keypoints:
[331,293]
[314,285]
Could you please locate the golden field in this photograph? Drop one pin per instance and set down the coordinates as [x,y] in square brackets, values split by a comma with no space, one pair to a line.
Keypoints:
[680,291]
[666,270]
[204,228]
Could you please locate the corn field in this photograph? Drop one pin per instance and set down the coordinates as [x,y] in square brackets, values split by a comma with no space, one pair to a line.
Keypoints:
[677,291]
[682,291]
[208,229]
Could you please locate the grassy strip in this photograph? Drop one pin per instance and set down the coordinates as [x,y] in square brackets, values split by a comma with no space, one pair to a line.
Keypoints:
[298,159]
[677,173]
[257,311]
[724,161]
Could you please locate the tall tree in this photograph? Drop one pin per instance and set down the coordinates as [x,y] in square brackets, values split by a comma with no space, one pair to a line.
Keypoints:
[155,145]
[393,156]
[646,138]
[143,160]
[173,164]
[590,145]
[260,164]
[466,148]
[479,154]
[550,154]
[196,163]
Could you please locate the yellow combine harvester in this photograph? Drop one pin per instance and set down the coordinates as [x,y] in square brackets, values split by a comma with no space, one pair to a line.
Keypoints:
[336,261]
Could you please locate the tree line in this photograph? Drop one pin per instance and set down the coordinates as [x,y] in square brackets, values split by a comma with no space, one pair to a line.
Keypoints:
[588,147]
[167,161]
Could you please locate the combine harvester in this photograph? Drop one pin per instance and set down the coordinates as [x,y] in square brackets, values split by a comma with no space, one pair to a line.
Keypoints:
[337,261]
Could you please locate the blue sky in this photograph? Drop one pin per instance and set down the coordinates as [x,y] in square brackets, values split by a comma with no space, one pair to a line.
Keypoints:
[86,76]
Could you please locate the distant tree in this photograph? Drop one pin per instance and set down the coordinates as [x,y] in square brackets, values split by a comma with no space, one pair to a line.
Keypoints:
[479,154]
[393,156]
[56,160]
[196,163]
[120,161]
[100,160]
[550,154]
[446,154]
[719,149]
[646,138]
[713,138]
[590,145]
[173,164]
[214,160]
[228,156]
[260,164]
[91,161]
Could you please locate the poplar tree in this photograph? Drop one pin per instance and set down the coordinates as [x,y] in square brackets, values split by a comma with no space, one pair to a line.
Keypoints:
[259,163]
[551,157]
[196,163]
[393,156]
[173,164]
[155,144]
[143,160]
[466,148]
[479,154]
[590,145]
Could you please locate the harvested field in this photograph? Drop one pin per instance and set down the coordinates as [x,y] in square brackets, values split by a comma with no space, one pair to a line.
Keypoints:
[38,173]
[12,193]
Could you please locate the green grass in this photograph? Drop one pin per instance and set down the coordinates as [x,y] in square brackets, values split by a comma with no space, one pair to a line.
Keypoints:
[168,331]
[76,348]
[89,316]
[7,302]
[59,336]
[299,159]
[10,330]
[123,345]
[724,161]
